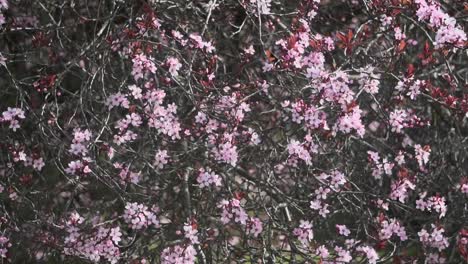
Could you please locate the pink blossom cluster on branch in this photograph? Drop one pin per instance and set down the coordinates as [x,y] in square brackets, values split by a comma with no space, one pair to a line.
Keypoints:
[250,131]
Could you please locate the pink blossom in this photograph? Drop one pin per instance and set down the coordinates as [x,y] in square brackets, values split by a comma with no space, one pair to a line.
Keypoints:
[304,232]
[4,4]
[77,167]
[226,152]
[436,239]
[296,149]
[38,164]
[127,136]
[233,212]
[464,188]
[101,244]
[136,91]
[4,245]
[207,178]
[351,121]
[138,216]
[322,252]
[415,89]
[267,67]
[161,158]
[13,116]
[399,35]
[390,228]
[435,203]
[435,258]
[117,99]
[254,226]
[371,254]
[191,233]
[400,190]
[250,50]
[382,204]
[398,119]
[422,154]
[174,66]
[448,31]
[178,255]
[386,20]
[200,44]
[343,230]
[320,206]
[164,119]
[344,255]
[142,65]
[128,176]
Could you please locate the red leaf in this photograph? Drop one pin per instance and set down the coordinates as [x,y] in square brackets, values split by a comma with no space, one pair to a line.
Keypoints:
[427,48]
[410,70]
[239,195]
[350,35]
[292,42]
[401,46]
[270,56]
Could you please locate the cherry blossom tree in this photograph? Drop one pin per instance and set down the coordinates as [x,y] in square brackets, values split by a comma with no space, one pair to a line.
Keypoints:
[233,131]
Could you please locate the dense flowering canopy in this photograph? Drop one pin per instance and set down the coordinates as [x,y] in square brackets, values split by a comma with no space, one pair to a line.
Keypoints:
[222,131]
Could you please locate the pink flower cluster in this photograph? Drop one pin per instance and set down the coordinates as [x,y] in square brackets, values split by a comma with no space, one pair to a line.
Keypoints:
[435,203]
[179,254]
[12,116]
[207,178]
[296,149]
[3,6]
[191,233]
[203,142]
[139,216]
[379,167]
[398,119]
[117,99]
[369,80]
[343,255]
[125,137]
[422,154]
[400,189]
[410,87]
[162,118]
[174,66]
[100,244]
[391,227]
[142,65]
[334,179]
[343,230]
[4,245]
[198,42]
[464,188]
[78,167]
[311,116]
[233,212]
[351,121]
[226,152]
[448,32]
[371,254]
[81,139]
[33,160]
[79,147]
[161,158]
[435,239]
[126,175]
[304,232]
[319,203]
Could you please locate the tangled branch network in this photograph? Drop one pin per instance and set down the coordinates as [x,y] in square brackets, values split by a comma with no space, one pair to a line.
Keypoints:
[233,131]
